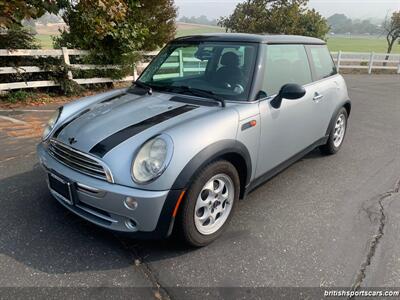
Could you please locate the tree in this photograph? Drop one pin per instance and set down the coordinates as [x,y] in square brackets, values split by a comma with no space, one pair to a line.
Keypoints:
[114,28]
[364,27]
[391,28]
[30,25]
[157,18]
[12,12]
[340,23]
[17,37]
[276,16]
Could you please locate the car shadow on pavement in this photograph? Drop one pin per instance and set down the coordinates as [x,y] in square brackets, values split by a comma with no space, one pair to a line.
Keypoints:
[41,234]
[315,154]
[158,250]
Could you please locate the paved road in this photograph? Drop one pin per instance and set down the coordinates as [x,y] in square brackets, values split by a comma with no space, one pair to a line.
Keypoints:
[325,221]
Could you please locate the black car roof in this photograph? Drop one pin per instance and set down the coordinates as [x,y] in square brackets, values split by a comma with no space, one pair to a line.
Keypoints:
[251,38]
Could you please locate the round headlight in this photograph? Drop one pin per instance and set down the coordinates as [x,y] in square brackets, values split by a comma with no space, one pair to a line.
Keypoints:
[152,159]
[51,123]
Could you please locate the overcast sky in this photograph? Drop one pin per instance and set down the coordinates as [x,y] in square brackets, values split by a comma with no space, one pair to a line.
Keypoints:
[352,8]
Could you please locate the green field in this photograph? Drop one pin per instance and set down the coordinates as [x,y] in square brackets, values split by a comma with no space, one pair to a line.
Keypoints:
[335,43]
[45,41]
[360,44]
[182,29]
[190,29]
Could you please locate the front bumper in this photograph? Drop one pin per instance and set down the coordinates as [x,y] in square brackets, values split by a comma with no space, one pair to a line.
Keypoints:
[103,203]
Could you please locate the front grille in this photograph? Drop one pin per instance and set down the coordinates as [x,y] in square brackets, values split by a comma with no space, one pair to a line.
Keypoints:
[97,213]
[79,161]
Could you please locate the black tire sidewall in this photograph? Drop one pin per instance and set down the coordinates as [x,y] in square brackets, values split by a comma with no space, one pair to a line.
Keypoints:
[329,147]
[186,216]
[344,112]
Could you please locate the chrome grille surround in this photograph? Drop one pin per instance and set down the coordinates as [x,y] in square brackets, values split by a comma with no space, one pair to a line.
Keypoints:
[79,161]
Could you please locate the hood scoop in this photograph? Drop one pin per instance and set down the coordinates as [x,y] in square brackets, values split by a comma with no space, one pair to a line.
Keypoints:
[194,100]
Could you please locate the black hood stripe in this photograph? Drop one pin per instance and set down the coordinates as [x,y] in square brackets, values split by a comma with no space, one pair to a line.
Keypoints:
[61,128]
[117,138]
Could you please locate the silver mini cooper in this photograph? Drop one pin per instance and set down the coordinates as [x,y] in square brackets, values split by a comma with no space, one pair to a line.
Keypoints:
[210,119]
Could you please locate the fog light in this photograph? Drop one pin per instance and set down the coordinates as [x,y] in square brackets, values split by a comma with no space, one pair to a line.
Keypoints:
[130,224]
[130,203]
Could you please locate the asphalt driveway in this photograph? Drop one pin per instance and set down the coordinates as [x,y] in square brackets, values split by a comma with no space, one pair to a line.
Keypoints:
[324,222]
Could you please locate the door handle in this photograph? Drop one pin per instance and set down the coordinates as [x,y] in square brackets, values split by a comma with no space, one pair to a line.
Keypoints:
[318,97]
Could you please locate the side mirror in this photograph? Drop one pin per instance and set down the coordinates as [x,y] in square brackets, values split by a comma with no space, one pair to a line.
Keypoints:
[289,91]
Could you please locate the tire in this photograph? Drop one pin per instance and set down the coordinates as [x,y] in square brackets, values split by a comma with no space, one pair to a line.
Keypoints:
[194,211]
[335,141]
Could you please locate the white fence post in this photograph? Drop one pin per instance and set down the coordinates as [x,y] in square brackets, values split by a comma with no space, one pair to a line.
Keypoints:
[398,68]
[344,60]
[180,64]
[371,63]
[66,60]
[339,56]
[135,73]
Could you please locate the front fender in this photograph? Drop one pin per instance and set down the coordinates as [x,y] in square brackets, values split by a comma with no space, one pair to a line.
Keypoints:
[209,154]
[191,170]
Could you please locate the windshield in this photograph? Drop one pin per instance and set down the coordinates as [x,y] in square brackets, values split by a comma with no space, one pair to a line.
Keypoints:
[220,68]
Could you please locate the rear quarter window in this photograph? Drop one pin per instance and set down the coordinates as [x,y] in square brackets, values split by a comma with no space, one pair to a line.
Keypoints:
[322,62]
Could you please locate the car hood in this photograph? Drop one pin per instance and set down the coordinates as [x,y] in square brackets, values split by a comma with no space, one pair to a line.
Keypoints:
[101,126]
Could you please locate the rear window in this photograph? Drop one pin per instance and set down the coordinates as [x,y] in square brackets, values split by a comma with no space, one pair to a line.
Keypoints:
[322,62]
[285,64]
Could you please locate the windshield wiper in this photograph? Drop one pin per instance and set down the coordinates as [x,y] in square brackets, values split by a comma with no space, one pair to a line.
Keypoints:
[144,86]
[197,92]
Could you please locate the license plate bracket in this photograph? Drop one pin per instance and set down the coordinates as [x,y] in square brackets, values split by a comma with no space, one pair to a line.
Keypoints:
[62,188]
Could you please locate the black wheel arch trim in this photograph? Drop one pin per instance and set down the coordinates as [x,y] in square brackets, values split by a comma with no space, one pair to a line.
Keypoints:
[165,221]
[347,105]
[209,154]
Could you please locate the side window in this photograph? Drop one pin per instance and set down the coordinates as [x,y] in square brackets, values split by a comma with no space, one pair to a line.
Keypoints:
[322,61]
[285,64]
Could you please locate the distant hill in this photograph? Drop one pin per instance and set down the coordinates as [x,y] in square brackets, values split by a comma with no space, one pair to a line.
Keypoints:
[50,28]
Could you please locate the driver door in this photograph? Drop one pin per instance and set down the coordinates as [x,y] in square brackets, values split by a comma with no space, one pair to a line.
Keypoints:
[287,130]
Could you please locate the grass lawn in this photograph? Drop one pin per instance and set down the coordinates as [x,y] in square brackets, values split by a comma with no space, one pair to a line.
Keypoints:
[190,29]
[183,29]
[335,43]
[45,41]
[360,44]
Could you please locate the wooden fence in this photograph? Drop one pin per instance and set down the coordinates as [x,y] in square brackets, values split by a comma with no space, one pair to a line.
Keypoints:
[177,66]
[65,54]
[367,61]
